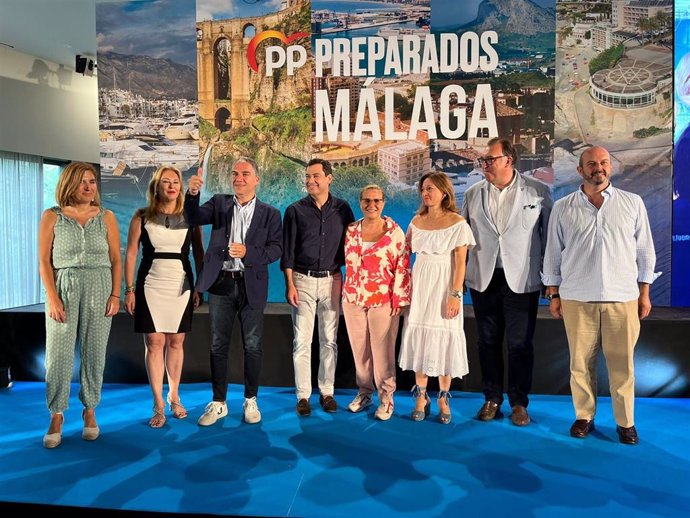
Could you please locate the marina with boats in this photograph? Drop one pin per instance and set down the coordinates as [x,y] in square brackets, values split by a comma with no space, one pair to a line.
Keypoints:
[138,135]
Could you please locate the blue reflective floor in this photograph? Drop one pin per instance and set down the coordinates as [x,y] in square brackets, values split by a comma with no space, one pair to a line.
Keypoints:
[345,464]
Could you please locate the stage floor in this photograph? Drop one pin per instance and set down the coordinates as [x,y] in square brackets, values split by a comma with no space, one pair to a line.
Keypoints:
[344,464]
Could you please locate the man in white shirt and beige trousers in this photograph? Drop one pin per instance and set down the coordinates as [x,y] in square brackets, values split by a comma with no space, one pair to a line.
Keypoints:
[598,266]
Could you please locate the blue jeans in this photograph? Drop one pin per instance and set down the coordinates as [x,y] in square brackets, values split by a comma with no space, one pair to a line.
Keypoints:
[227,298]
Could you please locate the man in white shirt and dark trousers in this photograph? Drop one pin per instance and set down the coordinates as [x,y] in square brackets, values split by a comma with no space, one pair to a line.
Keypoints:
[598,266]
[246,237]
[508,214]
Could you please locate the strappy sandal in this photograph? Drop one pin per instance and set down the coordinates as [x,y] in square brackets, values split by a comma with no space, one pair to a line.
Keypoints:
[444,417]
[177,409]
[158,418]
[420,392]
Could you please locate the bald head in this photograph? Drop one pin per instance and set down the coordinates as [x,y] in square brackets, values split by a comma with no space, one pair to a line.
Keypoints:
[595,167]
[593,150]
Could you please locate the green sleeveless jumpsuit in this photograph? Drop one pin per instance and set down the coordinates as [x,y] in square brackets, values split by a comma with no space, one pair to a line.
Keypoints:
[82,270]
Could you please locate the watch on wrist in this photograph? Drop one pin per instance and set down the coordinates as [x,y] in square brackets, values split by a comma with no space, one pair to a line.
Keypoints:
[457,294]
[552,296]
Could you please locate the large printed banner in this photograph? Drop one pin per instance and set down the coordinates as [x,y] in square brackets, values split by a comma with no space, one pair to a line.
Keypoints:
[147,85]
[389,90]
[680,293]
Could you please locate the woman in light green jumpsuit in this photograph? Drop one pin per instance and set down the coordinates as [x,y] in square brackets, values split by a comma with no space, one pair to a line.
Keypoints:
[81,269]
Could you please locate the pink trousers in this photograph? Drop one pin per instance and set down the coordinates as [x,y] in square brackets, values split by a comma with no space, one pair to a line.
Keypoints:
[372,333]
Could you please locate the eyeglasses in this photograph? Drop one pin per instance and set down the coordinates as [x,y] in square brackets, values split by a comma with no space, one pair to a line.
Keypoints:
[367,201]
[487,160]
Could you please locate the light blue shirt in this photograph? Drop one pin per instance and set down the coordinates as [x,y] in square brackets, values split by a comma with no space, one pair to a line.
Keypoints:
[241,219]
[599,255]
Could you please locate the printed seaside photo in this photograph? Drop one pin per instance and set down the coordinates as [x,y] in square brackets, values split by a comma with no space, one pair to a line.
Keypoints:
[147,98]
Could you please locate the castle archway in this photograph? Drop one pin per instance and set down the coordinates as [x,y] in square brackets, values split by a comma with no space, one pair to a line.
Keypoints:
[248,31]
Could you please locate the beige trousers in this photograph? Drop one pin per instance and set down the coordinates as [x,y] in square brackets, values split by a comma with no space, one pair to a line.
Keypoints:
[372,333]
[614,327]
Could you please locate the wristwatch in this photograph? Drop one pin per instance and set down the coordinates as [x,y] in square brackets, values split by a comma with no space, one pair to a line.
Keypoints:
[457,294]
[552,296]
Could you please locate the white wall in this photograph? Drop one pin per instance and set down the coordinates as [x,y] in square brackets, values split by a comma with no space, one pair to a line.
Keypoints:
[47,109]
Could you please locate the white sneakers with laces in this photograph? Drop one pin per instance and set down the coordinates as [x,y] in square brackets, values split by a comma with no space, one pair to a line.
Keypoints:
[251,411]
[360,402]
[384,411]
[214,410]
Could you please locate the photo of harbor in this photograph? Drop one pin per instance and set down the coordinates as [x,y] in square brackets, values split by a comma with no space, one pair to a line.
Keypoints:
[147,99]
[365,18]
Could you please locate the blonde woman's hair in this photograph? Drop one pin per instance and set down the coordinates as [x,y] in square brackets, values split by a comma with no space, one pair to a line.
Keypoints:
[442,183]
[153,207]
[70,181]
[371,187]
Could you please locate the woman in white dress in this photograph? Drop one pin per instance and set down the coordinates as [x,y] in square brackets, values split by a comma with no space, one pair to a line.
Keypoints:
[163,298]
[433,342]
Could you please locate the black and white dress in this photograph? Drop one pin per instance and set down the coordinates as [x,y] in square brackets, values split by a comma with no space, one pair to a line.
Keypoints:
[164,282]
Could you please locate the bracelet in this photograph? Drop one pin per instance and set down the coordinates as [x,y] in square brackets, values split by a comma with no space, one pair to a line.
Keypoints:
[129,289]
[456,294]
[113,295]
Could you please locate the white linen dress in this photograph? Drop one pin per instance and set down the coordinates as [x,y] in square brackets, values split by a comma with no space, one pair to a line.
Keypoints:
[432,344]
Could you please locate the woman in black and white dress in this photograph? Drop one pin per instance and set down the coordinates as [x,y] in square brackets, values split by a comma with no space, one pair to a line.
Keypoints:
[163,298]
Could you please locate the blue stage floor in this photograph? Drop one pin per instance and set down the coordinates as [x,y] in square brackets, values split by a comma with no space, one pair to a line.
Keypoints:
[345,464]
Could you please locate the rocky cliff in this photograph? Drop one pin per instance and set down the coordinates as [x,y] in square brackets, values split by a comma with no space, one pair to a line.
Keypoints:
[522,17]
[282,92]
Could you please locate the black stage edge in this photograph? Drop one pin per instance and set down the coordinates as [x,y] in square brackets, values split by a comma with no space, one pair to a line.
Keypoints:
[88,512]
[661,359]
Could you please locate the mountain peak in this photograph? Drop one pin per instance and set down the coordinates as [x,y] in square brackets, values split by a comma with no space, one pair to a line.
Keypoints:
[512,16]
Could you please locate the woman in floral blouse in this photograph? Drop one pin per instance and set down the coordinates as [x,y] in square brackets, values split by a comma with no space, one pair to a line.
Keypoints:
[376,287]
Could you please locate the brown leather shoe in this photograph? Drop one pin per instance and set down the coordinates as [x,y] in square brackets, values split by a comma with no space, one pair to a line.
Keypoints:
[303,408]
[488,411]
[581,428]
[627,435]
[520,417]
[328,403]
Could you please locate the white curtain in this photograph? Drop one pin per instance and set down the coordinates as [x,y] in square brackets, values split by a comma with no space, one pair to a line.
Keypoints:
[21,204]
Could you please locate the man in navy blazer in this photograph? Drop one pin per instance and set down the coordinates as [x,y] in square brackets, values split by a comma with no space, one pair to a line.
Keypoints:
[246,238]
[508,214]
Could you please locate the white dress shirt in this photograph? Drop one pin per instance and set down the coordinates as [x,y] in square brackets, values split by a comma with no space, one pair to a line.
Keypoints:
[501,203]
[241,219]
[599,255]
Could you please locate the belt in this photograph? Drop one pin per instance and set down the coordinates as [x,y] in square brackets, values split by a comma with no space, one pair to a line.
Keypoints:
[227,274]
[317,273]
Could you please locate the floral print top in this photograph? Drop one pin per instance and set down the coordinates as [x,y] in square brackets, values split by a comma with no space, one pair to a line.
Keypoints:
[379,275]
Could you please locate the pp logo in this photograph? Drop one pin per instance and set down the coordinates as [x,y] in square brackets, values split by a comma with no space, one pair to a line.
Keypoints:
[294,55]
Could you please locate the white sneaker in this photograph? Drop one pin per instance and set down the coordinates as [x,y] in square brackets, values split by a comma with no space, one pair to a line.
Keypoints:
[384,411]
[251,411]
[361,401]
[214,410]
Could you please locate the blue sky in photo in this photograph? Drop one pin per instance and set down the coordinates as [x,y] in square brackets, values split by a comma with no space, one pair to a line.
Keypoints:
[162,29]
[226,9]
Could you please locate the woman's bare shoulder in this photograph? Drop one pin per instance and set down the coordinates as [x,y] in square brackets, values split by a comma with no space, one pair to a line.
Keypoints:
[454,218]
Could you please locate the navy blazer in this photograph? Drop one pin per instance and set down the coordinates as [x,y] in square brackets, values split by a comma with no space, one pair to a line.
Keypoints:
[264,242]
